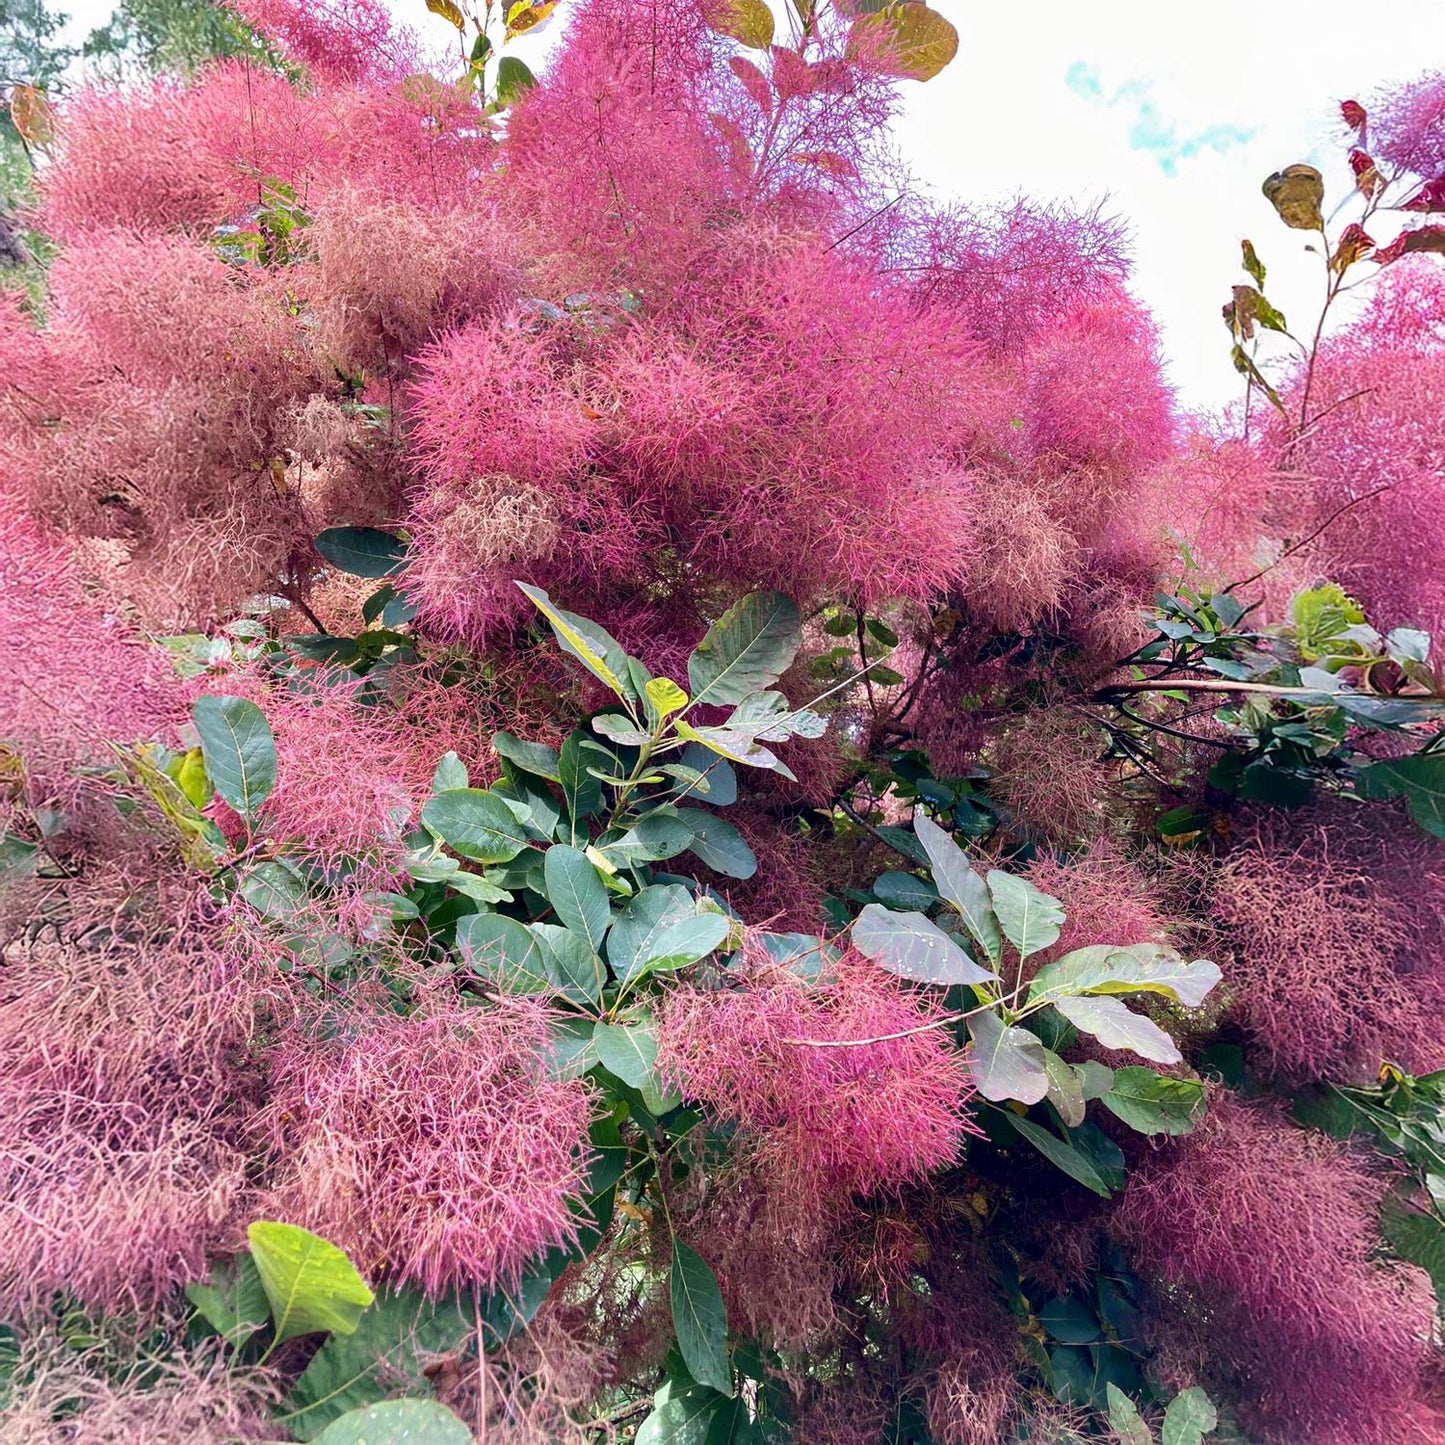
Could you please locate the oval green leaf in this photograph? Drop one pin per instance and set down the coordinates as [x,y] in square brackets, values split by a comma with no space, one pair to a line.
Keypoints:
[700,1319]
[312,1286]
[746,650]
[239,750]
[362,551]
[476,824]
[397,1422]
[911,946]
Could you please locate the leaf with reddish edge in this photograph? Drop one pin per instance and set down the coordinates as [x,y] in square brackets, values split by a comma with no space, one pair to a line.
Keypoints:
[1368,179]
[1353,244]
[1353,114]
[791,75]
[1430,197]
[1424,238]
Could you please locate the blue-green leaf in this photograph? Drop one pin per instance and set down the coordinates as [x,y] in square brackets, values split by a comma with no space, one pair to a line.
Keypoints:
[911,946]
[362,551]
[576,891]
[475,823]
[1030,919]
[700,1319]
[397,1422]
[719,844]
[239,750]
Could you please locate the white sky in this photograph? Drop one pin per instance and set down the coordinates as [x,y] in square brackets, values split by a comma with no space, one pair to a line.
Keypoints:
[1171,113]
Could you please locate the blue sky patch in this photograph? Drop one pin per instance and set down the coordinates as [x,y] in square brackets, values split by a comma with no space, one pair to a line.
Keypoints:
[1150,131]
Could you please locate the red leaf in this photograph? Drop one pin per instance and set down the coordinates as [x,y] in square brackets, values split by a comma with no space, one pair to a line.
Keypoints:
[1430,197]
[1353,113]
[791,76]
[754,82]
[1367,175]
[1423,238]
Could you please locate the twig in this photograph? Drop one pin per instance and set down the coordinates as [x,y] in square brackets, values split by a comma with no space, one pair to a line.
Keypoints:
[1305,541]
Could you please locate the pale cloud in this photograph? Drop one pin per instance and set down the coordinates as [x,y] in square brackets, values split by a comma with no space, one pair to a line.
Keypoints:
[1149,129]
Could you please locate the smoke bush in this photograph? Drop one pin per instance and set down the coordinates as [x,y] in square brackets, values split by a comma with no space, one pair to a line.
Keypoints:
[1267,1227]
[433,1146]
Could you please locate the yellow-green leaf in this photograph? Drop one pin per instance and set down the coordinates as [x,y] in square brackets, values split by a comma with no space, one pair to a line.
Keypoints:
[312,1286]
[448,11]
[665,696]
[190,776]
[747,21]
[587,642]
[525,16]
[905,39]
[1297,193]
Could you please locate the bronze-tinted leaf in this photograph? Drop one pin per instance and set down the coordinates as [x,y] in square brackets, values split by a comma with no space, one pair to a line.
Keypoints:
[1297,193]
[32,114]
[791,75]
[1353,244]
[909,41]
[1430,197]
[754,82]
[749,22]
[1353,114]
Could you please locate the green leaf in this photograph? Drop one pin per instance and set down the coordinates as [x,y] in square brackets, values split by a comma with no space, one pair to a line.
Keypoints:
[1418,1238]
[311,1285]
[700,1319]
[1124,1417]
[580,790]
[912,946]
[719,844]
[450,774]
[1095,1080]
[576,890]
[397,1422]
[1069,1321]
[533,758]
[1153,1103]
[1030,919]
[958,883]
[908,41]
[718,775]
[514,80]
[597,651]
[234,1303]
[685,942]
[362,551]
[571,963]
[904,890]
[732,1425]
[1419,779]
[273,889]
[628,1050]
[476,824]
[1189,1418]
[499,947]
[651,840]
[737,747]
[1063,1154]
[1066,1091]
[642,923]
[619,729]
[749,22]
[681,1414]
[392,1346]
[1252,264]
[1141,968]
[1006,1062]
[239,750]
[746,650]
[1116,1026]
